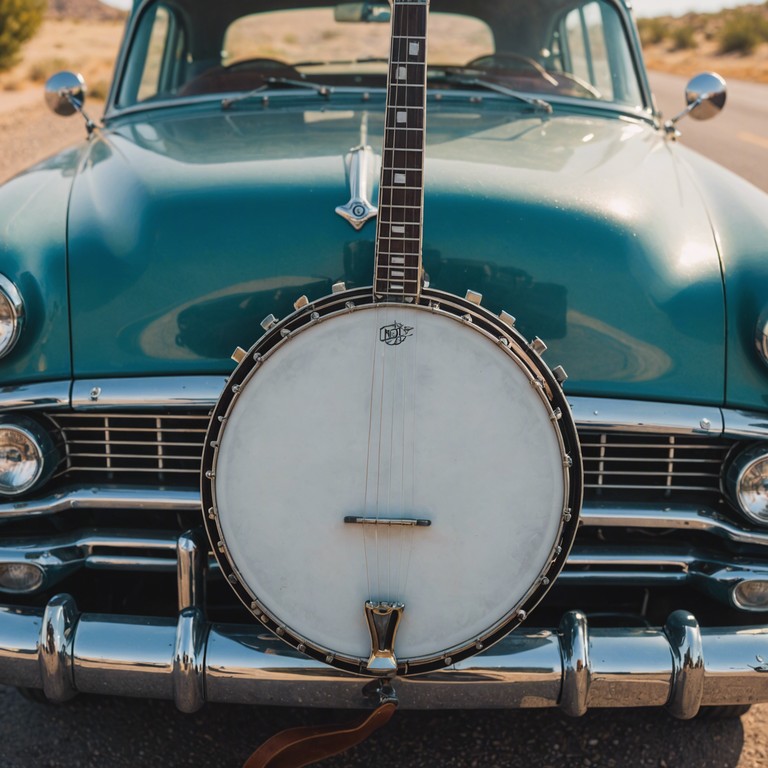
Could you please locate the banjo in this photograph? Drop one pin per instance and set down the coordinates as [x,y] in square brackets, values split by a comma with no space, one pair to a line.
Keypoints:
[392,477]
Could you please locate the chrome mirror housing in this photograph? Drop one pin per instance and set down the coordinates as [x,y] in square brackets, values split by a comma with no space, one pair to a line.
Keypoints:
[65,93]
[705,95]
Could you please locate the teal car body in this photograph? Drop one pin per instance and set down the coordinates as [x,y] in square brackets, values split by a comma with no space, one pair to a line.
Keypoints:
[206,200]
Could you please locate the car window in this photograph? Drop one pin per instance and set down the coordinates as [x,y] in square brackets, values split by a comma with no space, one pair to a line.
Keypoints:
[551,48]
[158,56]
[312,34]
[586,50]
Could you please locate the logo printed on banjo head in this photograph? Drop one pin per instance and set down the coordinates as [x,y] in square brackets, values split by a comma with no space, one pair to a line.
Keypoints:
[395,334]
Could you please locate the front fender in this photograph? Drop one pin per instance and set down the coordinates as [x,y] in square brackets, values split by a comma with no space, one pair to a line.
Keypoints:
[33,254]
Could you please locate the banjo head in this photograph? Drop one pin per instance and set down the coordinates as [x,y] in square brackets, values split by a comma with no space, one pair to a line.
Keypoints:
[391,487]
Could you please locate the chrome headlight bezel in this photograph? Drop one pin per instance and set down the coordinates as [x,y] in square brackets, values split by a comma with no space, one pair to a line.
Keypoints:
[737,477]
[10,297]
[45,454]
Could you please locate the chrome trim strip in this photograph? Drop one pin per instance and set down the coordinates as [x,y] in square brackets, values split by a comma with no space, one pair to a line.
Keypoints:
[609,415]
[50,395]
[153,393]
[137,656]
[742,425]
[678,516]
[103,498]
[188,556]
[201,392]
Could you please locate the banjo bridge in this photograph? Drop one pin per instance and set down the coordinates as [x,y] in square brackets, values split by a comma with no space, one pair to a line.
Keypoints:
[405,522]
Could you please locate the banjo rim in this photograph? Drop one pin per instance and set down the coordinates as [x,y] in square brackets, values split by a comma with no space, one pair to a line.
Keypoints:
[459,310]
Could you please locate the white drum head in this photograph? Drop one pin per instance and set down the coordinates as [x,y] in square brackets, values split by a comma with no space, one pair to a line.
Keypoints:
[390,413]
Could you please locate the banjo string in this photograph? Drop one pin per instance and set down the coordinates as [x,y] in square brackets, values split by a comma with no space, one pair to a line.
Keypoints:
[368,455]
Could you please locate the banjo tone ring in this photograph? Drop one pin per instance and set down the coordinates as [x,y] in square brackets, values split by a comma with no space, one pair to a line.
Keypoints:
[527,358]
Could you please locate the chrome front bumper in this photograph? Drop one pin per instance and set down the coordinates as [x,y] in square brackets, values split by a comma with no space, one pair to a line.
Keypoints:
[190,661]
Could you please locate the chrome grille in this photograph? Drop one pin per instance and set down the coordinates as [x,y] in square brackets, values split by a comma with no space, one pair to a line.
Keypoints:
[116,446]
[662,465]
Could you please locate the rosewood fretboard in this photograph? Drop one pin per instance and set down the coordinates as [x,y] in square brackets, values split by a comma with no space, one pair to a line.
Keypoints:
[397,274]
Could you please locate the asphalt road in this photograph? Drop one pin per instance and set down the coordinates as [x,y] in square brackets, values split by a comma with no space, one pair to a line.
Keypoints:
[123,733]
[96,731]
[737,138]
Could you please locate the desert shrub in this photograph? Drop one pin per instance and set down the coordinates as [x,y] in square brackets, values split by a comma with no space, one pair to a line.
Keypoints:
[99,90]
[19,20]
[42,70]
[742,32]
[652,31]
[684,38]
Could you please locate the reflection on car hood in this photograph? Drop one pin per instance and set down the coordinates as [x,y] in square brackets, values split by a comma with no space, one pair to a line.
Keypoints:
[187,230]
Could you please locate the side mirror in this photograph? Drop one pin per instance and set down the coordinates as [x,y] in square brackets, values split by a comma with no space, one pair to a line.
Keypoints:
[65,95]
[63,91]
[705,95]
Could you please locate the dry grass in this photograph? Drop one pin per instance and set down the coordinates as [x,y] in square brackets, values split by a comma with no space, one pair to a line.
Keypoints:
[85,46]
[704,36]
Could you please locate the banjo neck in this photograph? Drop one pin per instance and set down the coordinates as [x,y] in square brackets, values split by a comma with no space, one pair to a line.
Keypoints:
[398,268]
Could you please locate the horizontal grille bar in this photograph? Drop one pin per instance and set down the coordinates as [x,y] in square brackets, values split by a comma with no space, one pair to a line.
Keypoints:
[170,445]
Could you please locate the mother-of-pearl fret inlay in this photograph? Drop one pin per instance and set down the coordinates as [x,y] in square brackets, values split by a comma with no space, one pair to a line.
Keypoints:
[397,274]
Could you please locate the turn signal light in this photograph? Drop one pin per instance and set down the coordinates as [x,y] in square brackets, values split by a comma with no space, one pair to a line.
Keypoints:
[751,595]
[20,577]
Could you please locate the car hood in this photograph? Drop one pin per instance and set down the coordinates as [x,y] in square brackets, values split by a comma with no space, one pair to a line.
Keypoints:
[189,228]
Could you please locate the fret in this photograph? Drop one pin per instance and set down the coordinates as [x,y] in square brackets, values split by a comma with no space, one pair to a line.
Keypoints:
[399,247]
[409,215]
[404,139]
[409,177]
[408,49]
[408,73]
[401,185]
[399,197]
[400,231]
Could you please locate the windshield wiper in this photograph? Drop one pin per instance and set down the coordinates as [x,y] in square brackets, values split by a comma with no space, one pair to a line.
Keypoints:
[491,85]
[364,60]
[271,82]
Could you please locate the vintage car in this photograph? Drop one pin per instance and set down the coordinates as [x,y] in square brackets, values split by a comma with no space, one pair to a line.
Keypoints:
[277,423]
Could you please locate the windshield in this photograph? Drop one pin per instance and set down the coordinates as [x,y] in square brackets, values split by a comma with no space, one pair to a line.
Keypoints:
[547,48]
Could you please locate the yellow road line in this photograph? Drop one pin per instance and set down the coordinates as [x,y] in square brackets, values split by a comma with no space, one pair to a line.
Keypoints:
[753,138]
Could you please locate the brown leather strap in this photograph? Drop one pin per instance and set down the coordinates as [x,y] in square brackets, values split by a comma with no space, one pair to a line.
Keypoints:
[298,747]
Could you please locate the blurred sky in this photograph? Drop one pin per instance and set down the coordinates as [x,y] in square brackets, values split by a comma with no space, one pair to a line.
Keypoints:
[642,7]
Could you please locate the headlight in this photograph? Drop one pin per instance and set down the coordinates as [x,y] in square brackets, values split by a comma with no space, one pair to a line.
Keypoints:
[27,456]
[11,315]
[746,481]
